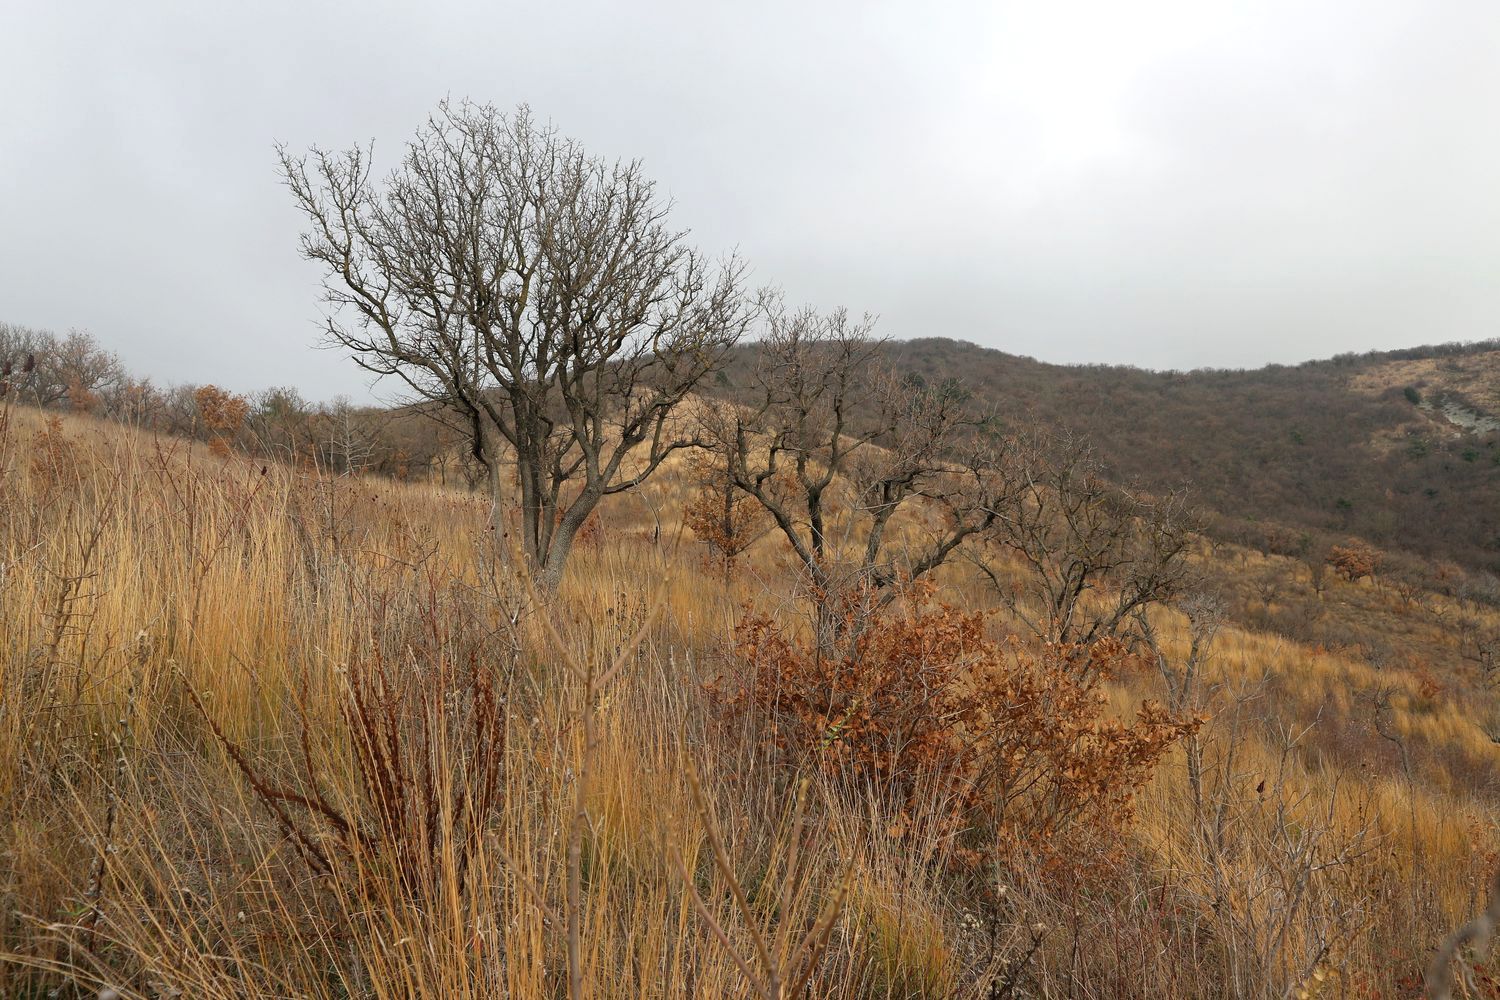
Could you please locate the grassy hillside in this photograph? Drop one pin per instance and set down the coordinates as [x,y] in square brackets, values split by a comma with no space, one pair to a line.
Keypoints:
[270,733]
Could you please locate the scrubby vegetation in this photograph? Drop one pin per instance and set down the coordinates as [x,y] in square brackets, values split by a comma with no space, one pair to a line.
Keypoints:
[276,732]
[676,669]
[1318,451]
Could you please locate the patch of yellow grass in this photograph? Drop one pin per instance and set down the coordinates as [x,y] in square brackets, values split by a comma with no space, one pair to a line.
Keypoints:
[136,570]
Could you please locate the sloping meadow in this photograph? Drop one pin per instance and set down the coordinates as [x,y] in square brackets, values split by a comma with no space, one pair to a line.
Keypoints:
[270,733]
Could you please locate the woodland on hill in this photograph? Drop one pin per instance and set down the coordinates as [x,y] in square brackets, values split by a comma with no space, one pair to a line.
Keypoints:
[1277,452]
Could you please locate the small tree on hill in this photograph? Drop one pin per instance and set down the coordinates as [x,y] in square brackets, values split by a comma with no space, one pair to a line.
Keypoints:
[1354,561]
[534,291]
[282,423]
[720,514]
[1093,554]
[221,414]
[834,446]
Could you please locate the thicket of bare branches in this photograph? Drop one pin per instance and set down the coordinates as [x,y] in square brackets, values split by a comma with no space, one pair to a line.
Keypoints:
[719,513]
[835,445]
[1094,554]
[44,369]
[537,292]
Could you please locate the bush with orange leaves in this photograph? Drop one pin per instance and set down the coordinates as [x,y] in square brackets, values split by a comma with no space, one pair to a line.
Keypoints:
[924,706]
[721,515]
[1354,561]
[221,411]
[223,414]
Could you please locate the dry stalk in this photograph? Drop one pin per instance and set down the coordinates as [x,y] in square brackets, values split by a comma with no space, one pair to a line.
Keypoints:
[593,685]
[99,870]
[781,962]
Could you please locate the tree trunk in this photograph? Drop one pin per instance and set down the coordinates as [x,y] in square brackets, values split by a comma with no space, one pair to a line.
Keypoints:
[489,446]
[561,542]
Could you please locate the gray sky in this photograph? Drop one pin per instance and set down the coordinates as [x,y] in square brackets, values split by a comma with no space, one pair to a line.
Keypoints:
[1170,184]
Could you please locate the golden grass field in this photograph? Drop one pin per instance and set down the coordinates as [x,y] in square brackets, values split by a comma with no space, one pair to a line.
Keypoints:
[137,858]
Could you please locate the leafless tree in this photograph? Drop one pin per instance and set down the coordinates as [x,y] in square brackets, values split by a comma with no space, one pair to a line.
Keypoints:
[351,439]
[1317,569]
[72,369]
[178,412]
[281,422]
[1268,589]
[20,349]
[535,291]
[134,401]
[1093,554]
[85,368]
[1183,677]
[834,445]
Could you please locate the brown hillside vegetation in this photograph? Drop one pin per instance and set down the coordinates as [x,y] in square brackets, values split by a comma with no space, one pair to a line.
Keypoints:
[271,732]
[1318,451]
[1472,377]
[1400,449]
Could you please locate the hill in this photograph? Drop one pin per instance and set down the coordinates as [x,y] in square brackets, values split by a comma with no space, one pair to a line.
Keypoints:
[1400,448]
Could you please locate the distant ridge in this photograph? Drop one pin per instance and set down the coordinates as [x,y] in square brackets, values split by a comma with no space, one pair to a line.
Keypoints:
[1358,444]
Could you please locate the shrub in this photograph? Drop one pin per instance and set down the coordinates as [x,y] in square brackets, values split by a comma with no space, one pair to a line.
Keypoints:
[53,454]
[924,702]
[222,414]
[1354,561]
[721,515]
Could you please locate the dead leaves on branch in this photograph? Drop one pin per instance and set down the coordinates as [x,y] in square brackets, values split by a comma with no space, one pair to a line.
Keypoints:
[1021,741]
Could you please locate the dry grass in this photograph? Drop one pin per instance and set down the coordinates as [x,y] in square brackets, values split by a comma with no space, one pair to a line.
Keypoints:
[138,854]
[1476,376]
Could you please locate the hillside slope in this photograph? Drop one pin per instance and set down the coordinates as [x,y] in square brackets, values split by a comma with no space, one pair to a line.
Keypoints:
[237,667]
[1336,447]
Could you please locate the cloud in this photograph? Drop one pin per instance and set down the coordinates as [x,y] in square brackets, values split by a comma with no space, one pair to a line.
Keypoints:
[1167,184]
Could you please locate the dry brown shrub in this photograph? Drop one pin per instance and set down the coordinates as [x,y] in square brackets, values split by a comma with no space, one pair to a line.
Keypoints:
[53,453]
[223,414]
[722,516]
[81,399]
[1354,561]
[1019,741]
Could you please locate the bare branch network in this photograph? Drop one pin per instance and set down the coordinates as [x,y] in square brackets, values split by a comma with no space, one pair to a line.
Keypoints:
[535,291]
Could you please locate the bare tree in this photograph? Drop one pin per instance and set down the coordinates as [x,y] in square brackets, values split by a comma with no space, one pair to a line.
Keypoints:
[1183,679]
[73,369]
[351,442]
[535,291]
[178,412]
[834,445]
[84,369]
[24,361]
[282,423]
[1093,554]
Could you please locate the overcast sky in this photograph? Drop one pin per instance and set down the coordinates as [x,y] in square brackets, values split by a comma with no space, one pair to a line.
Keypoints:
[1168,184]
